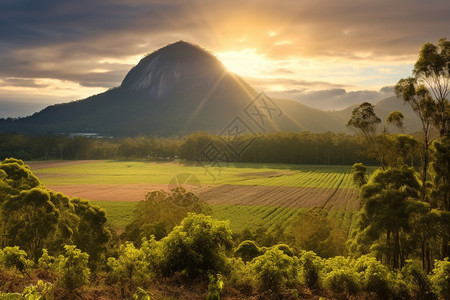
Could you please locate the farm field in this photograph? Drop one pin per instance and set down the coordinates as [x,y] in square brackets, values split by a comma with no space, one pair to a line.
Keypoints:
[249,195]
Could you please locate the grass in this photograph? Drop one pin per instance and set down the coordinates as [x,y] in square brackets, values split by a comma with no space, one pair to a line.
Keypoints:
[121,213]
[120,172]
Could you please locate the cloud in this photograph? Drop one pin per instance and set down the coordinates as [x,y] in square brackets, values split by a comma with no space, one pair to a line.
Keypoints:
[334,99]
[69,40]
[21,82]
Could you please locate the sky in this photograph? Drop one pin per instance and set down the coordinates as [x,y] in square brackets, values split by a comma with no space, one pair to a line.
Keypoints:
[327,54]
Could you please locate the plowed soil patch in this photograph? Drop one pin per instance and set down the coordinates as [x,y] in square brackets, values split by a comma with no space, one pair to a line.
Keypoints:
[108,192]
[303,197]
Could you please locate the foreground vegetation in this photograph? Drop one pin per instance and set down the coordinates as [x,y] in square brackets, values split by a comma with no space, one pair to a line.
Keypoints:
[201,247]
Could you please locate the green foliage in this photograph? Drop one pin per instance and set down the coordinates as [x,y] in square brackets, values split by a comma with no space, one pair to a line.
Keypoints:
[374,276]
[311,265]
[418,282]
[161,211]
[276,147]
[441,168]
[10,296]
[386,211]
[241,276]
[46,261]
[359,174]
[30,218]
[196,246]
[17,176]
[35,218]
[342,280]
[314,231]
[364,120]
[13,257]
[275,270]
[129,268]
[141,294]
[396,118]
[73,268]
[440,278]
[41,291]
[92,235]
[248,250]
[215,286]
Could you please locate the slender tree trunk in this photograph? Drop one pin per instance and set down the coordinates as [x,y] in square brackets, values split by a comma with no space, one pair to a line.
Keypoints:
[425,169]
[388,243]
[396,250]
[428,257]
[422,244]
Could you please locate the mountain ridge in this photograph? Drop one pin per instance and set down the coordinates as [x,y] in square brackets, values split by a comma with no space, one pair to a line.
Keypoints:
[176,90]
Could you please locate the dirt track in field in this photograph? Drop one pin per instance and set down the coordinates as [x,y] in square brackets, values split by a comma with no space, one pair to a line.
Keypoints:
[282,196]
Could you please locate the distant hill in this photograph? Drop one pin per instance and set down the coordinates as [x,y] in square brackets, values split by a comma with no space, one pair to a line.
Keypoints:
[176,90]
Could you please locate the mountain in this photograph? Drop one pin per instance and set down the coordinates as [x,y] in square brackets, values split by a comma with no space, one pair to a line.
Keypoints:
[176,90]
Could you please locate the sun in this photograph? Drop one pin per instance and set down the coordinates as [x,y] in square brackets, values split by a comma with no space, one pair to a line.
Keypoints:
[247,62]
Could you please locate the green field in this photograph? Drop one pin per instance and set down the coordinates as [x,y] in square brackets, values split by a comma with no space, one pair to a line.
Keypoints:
[274,186]
[120,172]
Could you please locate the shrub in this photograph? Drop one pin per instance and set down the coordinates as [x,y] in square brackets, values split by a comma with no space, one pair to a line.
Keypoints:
[440,278]
[129,267]
[418,281]
[215,287]
[46,261]
[285,249]
[197,246]
[374,276]
[342,280]
[311,265]
[248,250]
[13,257]
[241,276]
[275,270]
[41,291]
[73,268]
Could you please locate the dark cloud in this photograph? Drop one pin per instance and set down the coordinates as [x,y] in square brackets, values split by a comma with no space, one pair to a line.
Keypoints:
[334,99]
[21,82]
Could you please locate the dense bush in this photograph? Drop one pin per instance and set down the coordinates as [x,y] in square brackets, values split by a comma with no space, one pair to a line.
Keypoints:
[73,268]
[248,250]
[196,246]
[440,278]
[129,268]
[311,264]
[418,282]
[275,270]
[342,281]
[14,257]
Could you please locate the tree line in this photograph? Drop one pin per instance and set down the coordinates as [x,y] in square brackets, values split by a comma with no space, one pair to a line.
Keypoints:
[280,147]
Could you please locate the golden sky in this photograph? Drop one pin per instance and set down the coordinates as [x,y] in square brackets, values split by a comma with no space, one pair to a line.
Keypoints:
[325,53]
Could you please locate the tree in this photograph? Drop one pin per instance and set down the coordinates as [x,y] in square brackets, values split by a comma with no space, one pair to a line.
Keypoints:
[30,219]
[161,211]
[73,268]
[432,69]
[385,201]
[396,118]
[92,235]
[418,97]
[365,122]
